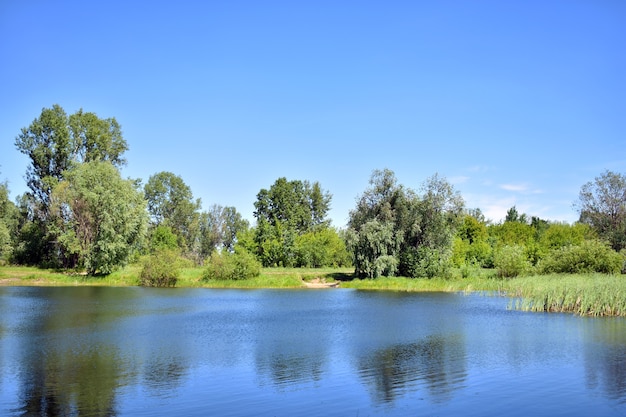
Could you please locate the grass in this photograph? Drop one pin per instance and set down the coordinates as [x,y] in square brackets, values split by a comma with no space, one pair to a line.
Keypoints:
[583,294]
[587,295]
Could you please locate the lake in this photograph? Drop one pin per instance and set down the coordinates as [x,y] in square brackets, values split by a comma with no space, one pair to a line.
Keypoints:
[101,351]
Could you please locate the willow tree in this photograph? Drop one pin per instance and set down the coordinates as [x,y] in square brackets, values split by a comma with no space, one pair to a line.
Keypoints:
[394,229]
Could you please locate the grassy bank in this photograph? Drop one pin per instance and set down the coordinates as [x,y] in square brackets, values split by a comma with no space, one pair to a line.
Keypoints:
[593,294]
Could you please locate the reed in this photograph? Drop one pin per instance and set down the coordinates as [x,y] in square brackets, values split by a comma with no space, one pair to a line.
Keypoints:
[583,294]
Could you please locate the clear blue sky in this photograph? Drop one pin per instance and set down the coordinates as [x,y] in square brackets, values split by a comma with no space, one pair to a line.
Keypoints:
[514,102]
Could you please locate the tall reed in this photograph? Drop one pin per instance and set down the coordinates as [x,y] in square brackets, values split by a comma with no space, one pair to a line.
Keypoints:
[583,294]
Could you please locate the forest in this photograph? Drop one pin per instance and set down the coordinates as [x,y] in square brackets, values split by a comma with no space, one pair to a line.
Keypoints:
[79,214]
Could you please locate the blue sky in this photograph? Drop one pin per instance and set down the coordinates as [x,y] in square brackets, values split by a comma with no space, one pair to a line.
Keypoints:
[514,102]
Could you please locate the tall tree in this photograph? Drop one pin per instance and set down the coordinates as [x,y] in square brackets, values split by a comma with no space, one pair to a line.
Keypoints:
[171,203]
[95,139]
[287,210]
[219,227]
[297,205]
[54,142]
[8,223]
[98,217]
[402,228]
[602,205]
[47,143]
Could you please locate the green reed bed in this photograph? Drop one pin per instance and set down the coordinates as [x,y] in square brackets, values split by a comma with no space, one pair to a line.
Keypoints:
[587,295]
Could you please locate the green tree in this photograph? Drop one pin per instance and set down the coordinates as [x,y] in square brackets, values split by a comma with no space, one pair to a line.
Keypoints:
[8,223]
[163,238]
[321,247]
[297,205]
[287,210]
[219,228]
[99,219]
[411,233]
[47,143]
[95,139]
[171,203]
[472,243]
[512,215]
[54,142]
[602,205]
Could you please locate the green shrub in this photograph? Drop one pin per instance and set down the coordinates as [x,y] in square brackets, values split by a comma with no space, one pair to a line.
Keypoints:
[511,261]
[589,256]
[161,269]
[226,265]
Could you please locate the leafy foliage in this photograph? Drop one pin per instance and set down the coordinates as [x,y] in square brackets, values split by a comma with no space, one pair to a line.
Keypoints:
[602,205]
[161,269]
[232,266]
[511,261]
[219,228]
[163,238]
[98,218]
[171,203]
[319,248]
[54,142]
[587,257]
[287,210]
[417,231]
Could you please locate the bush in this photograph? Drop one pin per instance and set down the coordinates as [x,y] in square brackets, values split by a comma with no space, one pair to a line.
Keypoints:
[511,261]
[226,265]
[589,256]
[161,269]
[424,262]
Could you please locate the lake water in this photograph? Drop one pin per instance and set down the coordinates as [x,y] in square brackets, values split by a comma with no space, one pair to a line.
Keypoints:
[199,352]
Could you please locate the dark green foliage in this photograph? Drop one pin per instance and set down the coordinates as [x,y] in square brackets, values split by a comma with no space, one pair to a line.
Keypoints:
[56,144]
[161,269]
[171,203]
[287,210]
[587,257]
[297,205]
[416,231]
[232,266]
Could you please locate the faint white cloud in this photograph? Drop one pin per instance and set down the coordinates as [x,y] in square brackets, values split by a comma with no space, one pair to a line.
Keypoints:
[460,179]
[521,188]
[514,187]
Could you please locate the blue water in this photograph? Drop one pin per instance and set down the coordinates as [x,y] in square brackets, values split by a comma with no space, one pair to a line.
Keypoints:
[336,352]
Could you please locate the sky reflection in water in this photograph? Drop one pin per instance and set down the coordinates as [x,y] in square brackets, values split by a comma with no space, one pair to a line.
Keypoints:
[136,351]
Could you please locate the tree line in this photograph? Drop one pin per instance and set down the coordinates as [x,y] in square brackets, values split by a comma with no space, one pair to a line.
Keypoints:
[79,213]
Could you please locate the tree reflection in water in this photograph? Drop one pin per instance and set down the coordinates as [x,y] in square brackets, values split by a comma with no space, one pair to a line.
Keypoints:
[436,363]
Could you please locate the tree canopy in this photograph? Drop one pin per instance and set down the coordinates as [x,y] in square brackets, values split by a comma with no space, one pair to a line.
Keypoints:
[98,218]
[55,141]
[602,205]
[171,203]
[393,229]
